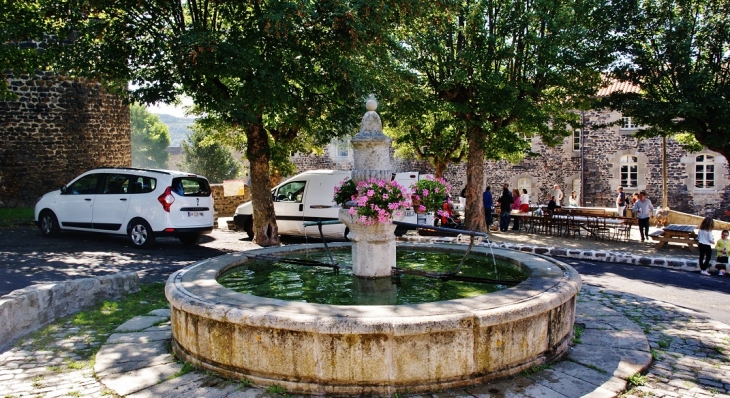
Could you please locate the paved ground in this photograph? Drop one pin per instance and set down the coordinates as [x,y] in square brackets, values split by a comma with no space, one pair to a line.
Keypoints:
[691,352]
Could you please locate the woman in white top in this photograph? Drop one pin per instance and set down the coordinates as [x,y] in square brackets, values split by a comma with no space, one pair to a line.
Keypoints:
[705,241]
[573,200]
[524,201]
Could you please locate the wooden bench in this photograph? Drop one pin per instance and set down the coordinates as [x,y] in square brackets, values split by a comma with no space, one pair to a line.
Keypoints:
[675,233]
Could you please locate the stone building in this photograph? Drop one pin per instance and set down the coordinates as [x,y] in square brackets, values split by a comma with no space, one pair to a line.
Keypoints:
[598,158]
[56,129]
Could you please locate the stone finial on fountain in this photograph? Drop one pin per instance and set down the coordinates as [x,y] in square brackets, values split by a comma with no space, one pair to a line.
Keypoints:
[371,148]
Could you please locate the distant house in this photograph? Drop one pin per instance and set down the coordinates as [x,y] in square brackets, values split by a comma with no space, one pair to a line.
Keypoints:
[594,162]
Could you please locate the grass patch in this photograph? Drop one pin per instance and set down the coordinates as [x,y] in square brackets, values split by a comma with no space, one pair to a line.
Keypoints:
[535,369]
[577,332]
[99,322]
[18,215]
[244,383]
[637,380]
[665,343]
[276,389]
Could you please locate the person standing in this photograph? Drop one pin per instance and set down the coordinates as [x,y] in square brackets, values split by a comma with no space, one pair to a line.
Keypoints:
[488,203]
[721,247]
[643,210]
[515,208]
[621,202]
[557,194]
[505,203]
[524,201]
[705,242]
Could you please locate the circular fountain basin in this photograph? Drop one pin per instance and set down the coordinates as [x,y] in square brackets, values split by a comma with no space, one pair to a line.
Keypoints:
[372,349]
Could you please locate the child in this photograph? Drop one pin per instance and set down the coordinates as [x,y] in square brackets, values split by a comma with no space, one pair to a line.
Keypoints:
[722,246]
[705,240]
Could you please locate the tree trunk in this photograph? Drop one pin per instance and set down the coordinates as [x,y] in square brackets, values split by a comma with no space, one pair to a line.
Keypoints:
[474,213]
[439,168]
[266,232]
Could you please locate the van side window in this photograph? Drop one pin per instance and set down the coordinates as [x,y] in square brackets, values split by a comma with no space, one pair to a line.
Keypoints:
[116,184]
[291,192]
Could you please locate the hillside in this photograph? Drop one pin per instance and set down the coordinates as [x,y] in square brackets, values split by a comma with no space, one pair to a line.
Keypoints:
[178,127]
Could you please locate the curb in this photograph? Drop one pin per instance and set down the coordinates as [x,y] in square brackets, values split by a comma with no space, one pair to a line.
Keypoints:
[595,255]
[28,309]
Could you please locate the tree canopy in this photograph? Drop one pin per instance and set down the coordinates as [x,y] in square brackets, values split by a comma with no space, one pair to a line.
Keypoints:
[506,70]
[678,54]
[281,72]
[150,138]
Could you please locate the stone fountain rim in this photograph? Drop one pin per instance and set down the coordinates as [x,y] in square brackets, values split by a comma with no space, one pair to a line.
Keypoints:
[196,290]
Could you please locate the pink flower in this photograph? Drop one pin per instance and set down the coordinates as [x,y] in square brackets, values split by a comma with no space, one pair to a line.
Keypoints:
[421,208]
[425,192]
[352,211]
[370,192]
[385,196]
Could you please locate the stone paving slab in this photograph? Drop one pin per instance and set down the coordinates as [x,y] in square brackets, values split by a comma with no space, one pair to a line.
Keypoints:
[140,323]
[113,356]
[139,379]
[139,337]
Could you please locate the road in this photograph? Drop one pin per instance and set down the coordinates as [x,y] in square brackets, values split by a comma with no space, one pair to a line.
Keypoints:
[26,257]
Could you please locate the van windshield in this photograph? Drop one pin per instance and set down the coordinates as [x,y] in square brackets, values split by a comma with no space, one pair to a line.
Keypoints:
[291,192]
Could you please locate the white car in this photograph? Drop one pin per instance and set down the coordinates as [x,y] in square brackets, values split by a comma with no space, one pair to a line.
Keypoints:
[140,203]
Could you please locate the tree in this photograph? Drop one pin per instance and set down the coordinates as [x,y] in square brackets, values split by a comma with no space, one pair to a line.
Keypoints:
[420,129]
[278,71]
[507,68]
[678,53]
[150,138]
[210,159]
[23,33]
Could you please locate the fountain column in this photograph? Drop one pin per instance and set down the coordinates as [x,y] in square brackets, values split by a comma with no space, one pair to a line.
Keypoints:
[373,246]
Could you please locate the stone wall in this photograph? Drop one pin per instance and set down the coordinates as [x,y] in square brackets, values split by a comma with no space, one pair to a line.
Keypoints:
[598,178]
[225,206]
[25,310]
[56,129]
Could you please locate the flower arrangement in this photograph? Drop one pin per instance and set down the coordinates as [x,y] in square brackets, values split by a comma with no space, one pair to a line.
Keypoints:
[429,194]
[375,200]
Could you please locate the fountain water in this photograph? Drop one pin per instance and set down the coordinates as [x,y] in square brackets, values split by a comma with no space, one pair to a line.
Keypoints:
[372,349]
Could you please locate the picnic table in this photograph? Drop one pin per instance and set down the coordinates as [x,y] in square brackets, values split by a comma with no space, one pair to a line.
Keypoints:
[676,233]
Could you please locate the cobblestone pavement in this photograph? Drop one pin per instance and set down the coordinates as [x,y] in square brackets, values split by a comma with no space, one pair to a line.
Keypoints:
[691,355]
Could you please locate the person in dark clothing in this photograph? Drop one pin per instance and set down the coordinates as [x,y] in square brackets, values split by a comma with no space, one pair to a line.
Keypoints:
[488,203]
[505,203]
[552,204]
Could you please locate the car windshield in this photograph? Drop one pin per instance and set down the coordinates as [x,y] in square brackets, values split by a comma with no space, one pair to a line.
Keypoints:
[190,186]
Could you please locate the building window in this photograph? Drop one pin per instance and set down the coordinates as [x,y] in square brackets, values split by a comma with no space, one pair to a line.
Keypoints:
[705,171]
[628,124]
[576,140]
[629,171]
[343,148]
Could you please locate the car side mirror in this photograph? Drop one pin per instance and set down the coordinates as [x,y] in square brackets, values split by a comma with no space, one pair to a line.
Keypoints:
[63,189]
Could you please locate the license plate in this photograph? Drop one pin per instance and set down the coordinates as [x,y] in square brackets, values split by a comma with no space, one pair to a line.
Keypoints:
[195,214]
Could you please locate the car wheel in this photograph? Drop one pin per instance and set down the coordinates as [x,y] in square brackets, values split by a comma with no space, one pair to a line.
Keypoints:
[189,239]
[140,233]
[248,228]
[48,224]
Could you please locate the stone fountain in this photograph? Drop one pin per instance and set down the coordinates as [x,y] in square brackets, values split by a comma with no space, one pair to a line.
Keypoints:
[373,246]
[371,349]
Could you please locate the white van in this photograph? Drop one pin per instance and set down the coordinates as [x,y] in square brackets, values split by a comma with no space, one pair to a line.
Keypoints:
[308,197]
[304,197]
